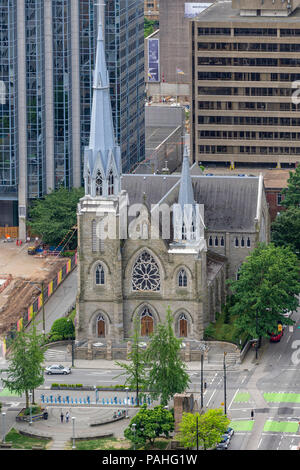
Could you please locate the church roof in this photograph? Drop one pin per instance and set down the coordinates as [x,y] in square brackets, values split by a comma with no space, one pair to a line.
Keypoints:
[230,202]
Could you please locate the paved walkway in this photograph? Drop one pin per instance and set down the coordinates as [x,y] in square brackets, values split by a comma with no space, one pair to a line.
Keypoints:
[61,433]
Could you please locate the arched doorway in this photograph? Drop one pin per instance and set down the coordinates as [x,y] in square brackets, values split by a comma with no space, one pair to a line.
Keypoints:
[183,326]
[100,327]
[146,323]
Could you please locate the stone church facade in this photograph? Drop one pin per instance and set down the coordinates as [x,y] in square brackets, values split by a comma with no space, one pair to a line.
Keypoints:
[128,266]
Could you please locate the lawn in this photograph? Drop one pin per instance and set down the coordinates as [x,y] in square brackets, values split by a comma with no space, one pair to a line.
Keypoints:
[225,331]
[113,443]
[24,442]
[6,393]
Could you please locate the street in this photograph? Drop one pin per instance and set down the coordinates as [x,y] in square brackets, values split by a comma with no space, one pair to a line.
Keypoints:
[260,386]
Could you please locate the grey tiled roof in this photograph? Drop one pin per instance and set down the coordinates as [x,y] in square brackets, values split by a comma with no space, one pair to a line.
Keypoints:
[230,202]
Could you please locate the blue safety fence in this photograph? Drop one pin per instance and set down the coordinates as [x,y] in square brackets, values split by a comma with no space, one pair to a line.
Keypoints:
[69,400]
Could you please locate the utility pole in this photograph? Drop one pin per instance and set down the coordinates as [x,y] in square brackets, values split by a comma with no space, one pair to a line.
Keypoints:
[256,347]
[43,309]
[201,380]
[197,432]
[225,405]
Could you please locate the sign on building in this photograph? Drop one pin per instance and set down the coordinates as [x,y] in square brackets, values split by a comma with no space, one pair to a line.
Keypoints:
[192,9]
[153,60]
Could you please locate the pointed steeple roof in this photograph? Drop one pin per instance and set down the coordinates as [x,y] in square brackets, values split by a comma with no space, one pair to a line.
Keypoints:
[102,128]
[186,192]
[102,158]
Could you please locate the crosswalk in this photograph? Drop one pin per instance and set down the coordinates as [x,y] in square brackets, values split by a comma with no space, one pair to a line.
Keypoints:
[57,355]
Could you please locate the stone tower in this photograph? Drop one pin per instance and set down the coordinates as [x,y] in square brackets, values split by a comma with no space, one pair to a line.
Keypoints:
[100,264]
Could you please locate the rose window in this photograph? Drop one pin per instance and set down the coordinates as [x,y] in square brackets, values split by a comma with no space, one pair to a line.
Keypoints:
[146,276]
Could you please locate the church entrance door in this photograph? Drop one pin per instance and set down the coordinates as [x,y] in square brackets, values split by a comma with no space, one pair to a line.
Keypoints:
[146,325]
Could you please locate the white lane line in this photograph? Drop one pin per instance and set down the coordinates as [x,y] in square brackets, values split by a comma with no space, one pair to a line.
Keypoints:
[259,444]
[210,398]
[233,398]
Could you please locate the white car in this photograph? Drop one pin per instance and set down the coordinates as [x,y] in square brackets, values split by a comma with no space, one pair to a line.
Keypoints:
[57,369]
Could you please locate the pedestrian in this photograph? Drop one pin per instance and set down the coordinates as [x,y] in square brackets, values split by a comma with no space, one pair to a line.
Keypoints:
[252,414]
[67,416]
[61,417]
[119,413]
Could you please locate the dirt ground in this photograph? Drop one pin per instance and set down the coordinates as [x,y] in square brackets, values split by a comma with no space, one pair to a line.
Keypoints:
[19,294]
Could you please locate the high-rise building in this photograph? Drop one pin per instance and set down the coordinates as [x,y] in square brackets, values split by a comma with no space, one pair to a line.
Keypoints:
[245,68]
[47,56]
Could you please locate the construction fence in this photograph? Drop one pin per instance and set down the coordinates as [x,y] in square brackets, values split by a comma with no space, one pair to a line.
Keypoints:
[36,306]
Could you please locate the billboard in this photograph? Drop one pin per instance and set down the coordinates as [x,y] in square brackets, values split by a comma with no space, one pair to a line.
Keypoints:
[153,60]
[192,9]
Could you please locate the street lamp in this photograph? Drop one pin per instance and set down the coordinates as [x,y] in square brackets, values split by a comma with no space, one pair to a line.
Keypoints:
[126,401]
[30,403]
[224,365]
[134,432]
[73,425]
[4,426]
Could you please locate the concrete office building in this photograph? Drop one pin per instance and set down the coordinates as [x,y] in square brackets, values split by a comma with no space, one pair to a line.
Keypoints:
[245,58]
[174,44]
[47,52]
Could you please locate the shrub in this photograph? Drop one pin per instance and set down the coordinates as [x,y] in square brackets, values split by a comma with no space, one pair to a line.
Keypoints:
[62,328]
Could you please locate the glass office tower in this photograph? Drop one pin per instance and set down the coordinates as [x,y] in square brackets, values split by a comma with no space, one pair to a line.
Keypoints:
[47,53]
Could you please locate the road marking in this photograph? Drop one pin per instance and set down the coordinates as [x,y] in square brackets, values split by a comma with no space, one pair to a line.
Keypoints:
[259,444]
[233,398]
[210,398]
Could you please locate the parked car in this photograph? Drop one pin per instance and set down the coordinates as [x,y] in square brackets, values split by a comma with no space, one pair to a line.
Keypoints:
[229,432]
[276,337]
[224,443]
[57,369]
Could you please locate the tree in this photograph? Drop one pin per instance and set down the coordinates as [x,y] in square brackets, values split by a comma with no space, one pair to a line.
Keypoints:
[211,426]
[150,424]
[292,192]
[167,374]
[135,371]
[25,371]
[62,328]
[53,216]
[286,228]
[266,289]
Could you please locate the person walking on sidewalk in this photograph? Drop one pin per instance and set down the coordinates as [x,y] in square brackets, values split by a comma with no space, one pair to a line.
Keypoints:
[67,416]
[61,417]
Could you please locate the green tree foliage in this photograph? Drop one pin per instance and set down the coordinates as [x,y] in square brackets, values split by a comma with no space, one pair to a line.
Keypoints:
[286,228]
[25,371]
[150,26]
[167,374]
[292,192]
[266,289]
[150,424]
[62,328]
[211,426]
[135,371]
[53,216]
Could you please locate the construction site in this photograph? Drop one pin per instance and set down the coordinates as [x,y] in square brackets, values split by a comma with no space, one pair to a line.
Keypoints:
[21,278]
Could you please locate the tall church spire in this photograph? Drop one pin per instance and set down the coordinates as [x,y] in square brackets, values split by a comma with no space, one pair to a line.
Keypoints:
[102,159]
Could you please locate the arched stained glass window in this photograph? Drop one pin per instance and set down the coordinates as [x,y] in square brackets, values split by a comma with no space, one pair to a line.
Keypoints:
[100,275]
[99,184]
[182,278]
[110,183]
[145,274]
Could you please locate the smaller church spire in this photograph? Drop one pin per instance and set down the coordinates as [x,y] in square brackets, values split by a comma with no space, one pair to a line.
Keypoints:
[186,193]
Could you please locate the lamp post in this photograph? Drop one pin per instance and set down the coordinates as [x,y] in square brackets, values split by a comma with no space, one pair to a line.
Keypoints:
[4,426]
[202,349]
[224,366]
[134,433]
[197,432]
[126,401]
[256,347]
[30,407]
[73,437]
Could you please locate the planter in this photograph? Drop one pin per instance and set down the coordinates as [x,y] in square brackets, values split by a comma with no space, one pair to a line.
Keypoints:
[26,418]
